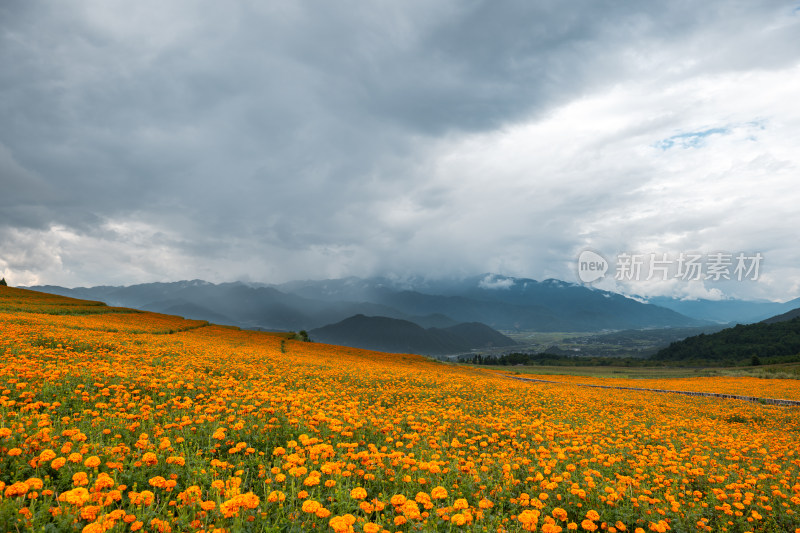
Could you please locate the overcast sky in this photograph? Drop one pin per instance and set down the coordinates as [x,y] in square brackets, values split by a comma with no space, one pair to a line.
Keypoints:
[277,140]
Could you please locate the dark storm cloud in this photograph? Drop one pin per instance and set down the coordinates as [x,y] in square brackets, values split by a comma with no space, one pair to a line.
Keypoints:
[240,129]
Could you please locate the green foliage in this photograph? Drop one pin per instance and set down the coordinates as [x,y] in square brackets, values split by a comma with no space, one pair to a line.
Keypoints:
[743,345]
[3,282]
[550,359]
[302,335]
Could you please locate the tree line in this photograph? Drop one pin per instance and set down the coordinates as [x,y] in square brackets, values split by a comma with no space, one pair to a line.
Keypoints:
[550,359]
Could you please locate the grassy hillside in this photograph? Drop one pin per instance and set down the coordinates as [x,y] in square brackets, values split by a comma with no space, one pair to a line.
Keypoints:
[775,342]
[112,420]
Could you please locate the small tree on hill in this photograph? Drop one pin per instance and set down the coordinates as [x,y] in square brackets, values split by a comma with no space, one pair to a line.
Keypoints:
[3,282]
[302,336]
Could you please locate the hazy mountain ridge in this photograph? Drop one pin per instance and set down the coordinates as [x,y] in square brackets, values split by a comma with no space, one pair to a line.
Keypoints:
[501,302]
[726,311]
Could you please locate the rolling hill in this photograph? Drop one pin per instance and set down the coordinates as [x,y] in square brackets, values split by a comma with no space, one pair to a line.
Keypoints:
[789,315]
[771,341]
[401,336]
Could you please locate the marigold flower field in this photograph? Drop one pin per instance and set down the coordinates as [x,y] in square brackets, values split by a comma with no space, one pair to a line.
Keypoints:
[117,420]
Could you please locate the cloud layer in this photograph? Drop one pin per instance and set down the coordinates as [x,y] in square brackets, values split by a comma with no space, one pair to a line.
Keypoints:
[280,140]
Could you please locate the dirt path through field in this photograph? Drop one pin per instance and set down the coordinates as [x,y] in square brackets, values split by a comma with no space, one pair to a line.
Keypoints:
[771,401]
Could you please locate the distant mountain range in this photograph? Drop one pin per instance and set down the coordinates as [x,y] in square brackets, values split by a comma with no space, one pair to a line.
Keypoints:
[503,303]
[420,315]
[726,311]
[401,336]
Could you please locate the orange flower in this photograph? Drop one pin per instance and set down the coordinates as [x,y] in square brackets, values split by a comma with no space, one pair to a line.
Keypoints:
[92,462]
[559,514]
[208,505]
[358,493]
[276,496]
[458,519]
[460,503]
[150,459]
[589,525]
[311,506]
[439,493]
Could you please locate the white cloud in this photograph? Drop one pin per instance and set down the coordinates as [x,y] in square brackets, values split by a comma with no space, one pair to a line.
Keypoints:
[495,282]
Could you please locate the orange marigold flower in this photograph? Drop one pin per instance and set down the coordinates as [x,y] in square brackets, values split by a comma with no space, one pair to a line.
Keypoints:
[592,515]
[92,462]
[460,503]
[103,481]
[560,514]
[276,496]
[176,460]
[208,505]
[161,526]
[439,493]
[150,459]
[89,512]
[34,483]
[77,496]
[358,493]
[142,498]
[589,525]
[528,517]
[458,519]
[341,524]
[311,506]
[16,489]
[47,455]
[398,499]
